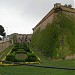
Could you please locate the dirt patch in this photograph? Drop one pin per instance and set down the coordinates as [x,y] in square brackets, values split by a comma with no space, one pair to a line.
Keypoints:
[21,56]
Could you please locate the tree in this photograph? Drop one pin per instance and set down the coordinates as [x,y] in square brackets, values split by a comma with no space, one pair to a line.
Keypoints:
[2,31]
[69,5]
[65,5]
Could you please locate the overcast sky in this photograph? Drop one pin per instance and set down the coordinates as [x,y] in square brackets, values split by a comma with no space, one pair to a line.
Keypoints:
[20,16]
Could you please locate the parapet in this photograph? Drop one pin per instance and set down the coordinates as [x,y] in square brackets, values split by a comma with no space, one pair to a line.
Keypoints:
[57,5]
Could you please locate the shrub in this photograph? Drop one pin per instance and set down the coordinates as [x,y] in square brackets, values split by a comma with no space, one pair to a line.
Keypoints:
[27,49]
[14,49]
[20,51]
[31,57]
[10,58]
[13,53]
[19,60]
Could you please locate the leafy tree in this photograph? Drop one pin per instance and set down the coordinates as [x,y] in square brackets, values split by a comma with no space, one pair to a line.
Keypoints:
[70,6]
[2,33]
[65,5]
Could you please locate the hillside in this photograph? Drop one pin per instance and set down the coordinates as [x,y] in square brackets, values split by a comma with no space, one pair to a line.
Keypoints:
[57,39]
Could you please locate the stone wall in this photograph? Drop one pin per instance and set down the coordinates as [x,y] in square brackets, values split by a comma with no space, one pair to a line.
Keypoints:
[51,15]
[47,19]
[20,38]
[4,45]
[23,38]
[29,38]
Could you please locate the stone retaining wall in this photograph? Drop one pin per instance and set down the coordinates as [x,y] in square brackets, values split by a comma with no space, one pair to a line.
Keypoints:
[4,45]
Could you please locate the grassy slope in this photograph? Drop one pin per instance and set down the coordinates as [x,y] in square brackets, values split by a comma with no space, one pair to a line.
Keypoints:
[57,39]
[5,52]
[59,63]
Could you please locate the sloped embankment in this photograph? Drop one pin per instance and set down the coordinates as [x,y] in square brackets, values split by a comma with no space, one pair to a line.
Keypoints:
[57,39]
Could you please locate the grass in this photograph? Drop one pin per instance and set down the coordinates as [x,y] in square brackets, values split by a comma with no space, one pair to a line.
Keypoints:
[59,63]
[5,52]
[26,70]
[29,70]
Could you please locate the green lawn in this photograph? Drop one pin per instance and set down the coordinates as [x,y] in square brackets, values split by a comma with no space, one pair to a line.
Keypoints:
[29,70]
[26,70]
[60,63]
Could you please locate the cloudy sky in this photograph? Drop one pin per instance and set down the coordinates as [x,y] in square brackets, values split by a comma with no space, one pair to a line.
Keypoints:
[20,16]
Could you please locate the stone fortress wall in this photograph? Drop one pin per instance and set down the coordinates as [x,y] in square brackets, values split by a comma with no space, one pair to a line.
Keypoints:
[51,15]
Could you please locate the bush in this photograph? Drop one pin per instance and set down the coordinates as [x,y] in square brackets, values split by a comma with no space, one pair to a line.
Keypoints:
[19,60]
[31,57]
[20,51]
[14,49]
[13,53]
[27,49]
[10,58]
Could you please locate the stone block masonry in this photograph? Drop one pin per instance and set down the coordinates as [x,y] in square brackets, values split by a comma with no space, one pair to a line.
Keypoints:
[4,45]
